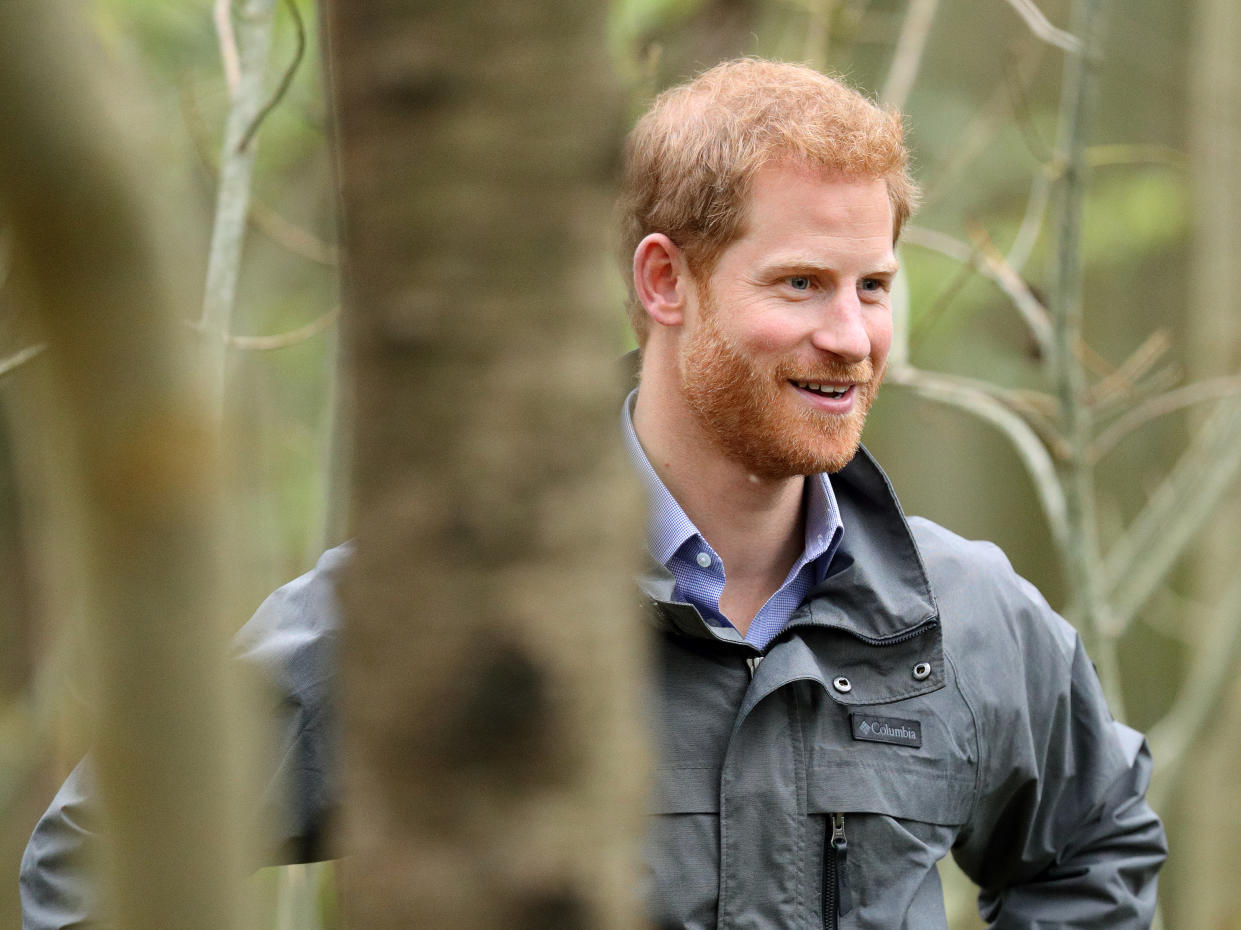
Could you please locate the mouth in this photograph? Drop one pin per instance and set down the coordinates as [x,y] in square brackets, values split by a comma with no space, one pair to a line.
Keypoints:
[832,391]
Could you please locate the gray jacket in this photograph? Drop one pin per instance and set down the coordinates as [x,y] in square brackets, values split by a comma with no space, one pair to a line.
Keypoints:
[924,700]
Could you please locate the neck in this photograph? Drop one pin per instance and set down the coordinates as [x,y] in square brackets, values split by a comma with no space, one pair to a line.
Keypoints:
[756,525]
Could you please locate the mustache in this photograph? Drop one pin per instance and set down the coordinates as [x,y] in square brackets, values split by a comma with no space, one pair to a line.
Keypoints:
[858,372]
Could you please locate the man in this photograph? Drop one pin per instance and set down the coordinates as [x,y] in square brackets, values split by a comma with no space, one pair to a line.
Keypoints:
[844,697]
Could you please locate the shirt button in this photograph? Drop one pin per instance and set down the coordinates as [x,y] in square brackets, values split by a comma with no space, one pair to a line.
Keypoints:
[704,560]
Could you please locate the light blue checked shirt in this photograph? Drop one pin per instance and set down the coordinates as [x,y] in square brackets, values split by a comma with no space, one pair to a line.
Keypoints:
[675,543]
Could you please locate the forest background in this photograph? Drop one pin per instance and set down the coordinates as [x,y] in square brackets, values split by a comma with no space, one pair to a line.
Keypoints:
[1101,454]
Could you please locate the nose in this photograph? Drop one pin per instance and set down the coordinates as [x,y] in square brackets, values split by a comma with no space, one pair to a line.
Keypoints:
[841,329]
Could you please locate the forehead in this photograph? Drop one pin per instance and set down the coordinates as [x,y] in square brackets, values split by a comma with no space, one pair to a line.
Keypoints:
[791,203]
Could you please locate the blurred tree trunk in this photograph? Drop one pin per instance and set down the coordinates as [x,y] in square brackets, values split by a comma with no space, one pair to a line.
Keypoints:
[91,260]
[1201,886]
[491,659]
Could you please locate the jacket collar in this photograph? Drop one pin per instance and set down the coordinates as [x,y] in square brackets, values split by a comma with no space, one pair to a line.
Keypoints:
[876,588]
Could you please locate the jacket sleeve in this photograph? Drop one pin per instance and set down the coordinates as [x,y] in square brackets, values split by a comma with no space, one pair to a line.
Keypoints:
[291,641]
[1061,835]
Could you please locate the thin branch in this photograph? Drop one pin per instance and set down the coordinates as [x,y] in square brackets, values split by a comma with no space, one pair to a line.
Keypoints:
[296,239]
[228,44]
[262,216]
[285,340]
[278,340]
[1191,394]
[1197,702]
[986,123]
[286,80]
[981,402]
[907,57]
[1141,559]
[233,191]
[17,359]
[1101,156]
[1031,309]
[1041,27]
[1123,381]
[1031,221]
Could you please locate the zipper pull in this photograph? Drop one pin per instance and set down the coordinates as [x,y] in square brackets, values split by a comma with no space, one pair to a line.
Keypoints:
[840,849]
[752,662]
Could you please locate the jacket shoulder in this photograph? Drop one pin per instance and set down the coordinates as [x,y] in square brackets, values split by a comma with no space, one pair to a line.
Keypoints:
[292,636]
[986,606]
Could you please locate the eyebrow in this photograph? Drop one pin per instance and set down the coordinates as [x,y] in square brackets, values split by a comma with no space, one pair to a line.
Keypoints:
[795,263]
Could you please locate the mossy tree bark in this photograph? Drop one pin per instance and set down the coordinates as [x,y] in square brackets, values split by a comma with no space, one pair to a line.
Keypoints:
[491,657]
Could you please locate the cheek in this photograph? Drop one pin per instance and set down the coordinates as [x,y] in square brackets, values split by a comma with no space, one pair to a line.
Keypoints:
[879,330]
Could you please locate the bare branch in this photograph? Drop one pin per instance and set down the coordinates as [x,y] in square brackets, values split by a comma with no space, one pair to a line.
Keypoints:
[285,340]
[233,190]
[228,44]
[1101,156]
[262,217]
[290,236]
[1191,394]
[17,359]
[286,79]
[980,400]
[1041,27]
[1031,309]
[1138,563]
[907,57]
[1123,381]
[1031,222]
[1204,690]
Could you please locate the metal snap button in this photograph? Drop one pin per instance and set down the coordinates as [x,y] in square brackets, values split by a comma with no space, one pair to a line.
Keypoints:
[922,671]
[842,684]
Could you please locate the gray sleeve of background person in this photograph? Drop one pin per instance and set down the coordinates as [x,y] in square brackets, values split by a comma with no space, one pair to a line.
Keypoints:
[292,640]
[1060,835]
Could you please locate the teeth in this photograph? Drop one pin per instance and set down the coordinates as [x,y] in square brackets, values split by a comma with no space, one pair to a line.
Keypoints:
[825,389]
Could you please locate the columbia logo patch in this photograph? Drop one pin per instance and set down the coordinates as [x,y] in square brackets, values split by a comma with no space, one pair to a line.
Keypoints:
[886,730]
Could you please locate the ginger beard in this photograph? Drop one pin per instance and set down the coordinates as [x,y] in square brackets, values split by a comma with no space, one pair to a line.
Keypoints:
[750,414]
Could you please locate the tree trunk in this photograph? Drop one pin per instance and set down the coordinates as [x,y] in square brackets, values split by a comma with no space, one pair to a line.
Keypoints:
[1200,886]
[91,260]
[491,655]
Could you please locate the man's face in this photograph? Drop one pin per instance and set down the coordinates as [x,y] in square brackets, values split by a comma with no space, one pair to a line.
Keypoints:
[791,333]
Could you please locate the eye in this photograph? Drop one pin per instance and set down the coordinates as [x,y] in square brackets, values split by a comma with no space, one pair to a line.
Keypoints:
[872,284]
[799,282]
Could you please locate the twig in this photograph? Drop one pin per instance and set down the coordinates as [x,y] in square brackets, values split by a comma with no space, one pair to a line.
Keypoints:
[286,80]
[233,192]
[1100,156]
[1031,221]
[907,57]
[262,217]
[1143,556]
[1125,378]
[17,359]
[228,44]
[1035,143]
[285,340]
[1169,402]
[983,404]
[983,127]
[1204,690]
[1041,27]
[278,340]
[1031,309]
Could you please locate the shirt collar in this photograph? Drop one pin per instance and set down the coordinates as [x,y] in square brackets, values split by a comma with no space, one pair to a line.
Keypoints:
[668,526]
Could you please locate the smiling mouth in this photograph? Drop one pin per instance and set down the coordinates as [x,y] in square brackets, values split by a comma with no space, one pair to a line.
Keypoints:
[824,390]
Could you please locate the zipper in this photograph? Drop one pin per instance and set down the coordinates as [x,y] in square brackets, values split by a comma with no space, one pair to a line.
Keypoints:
[837,899]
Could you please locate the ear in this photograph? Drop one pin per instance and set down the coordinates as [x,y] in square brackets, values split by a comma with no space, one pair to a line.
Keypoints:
[660,279]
